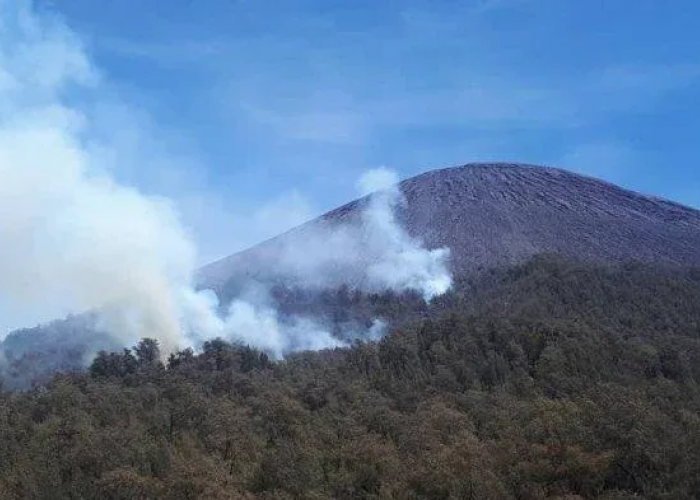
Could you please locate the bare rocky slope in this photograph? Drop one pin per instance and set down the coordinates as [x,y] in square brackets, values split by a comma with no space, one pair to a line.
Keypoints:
[498,214]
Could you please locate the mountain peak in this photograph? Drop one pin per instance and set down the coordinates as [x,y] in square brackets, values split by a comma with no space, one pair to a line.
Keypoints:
[492,214]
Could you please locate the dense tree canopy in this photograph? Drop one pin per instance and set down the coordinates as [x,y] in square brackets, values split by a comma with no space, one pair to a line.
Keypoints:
[553,379]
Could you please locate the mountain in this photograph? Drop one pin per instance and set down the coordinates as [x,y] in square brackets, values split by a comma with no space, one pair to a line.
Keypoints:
[498,214]
[488,215]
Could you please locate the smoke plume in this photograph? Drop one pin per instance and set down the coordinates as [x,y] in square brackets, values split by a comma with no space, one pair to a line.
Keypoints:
[75,239]
[401,262]
[370,252]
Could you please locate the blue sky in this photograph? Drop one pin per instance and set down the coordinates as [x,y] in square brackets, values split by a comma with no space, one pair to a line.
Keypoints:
[255,115]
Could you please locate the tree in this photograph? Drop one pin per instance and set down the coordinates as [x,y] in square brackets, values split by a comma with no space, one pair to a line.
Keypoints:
[147,352]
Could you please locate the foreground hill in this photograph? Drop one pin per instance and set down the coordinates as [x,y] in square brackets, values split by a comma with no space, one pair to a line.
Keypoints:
[496,214]
[547,380]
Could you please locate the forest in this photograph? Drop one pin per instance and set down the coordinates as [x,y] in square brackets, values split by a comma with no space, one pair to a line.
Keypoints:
[553,379]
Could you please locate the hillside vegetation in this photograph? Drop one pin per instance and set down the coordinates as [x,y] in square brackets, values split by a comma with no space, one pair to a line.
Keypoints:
[552,379]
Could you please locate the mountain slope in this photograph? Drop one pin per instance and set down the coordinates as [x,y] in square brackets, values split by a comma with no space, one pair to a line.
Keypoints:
[489,216]
[498,214]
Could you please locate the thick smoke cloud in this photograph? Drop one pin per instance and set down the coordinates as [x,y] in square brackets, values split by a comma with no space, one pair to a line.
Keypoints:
[75,239]
[402,263]
[254,321]
[371,252]
[375,250]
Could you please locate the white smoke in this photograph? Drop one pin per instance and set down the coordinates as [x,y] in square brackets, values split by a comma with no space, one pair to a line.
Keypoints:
[402,263]
[256,323]
[371,253]
[386,257]
[74,239]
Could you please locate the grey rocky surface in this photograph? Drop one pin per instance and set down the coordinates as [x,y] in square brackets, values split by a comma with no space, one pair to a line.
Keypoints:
[496,214]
